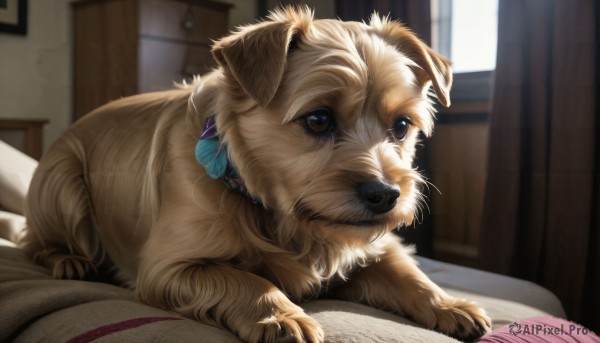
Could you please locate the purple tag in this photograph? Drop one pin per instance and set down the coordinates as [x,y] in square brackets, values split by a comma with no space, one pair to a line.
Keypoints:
[210,128]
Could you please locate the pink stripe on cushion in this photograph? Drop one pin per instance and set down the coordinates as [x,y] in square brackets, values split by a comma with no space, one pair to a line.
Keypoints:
[541,329]
[116,327]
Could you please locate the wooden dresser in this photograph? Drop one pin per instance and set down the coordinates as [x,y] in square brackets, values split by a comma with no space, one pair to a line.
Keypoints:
[125,47]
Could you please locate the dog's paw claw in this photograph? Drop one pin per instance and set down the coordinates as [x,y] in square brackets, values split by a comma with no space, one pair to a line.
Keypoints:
[461,319]
[294,328]
[65,266]
[73,267]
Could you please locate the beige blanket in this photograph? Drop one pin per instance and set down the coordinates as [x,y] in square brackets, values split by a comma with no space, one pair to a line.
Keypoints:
[36,308]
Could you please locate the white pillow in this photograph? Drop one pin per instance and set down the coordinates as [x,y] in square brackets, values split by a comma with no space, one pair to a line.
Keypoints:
[16,171]
[11,228]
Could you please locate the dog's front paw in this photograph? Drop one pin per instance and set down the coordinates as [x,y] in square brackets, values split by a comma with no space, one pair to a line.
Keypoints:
[65,266]
[294,327]
[458,318]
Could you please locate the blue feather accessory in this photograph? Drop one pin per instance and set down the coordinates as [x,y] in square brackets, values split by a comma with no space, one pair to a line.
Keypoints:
[210,153]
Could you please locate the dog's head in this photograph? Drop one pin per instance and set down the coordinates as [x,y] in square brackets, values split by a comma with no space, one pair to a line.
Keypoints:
[321,118]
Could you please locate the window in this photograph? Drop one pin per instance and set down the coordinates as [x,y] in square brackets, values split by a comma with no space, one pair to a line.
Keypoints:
[465,31]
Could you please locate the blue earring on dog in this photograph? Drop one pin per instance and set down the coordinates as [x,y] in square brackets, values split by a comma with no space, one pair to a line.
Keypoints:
[210,153]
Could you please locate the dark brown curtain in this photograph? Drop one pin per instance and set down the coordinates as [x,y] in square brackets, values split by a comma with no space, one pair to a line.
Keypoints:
[416,15]
[541,217]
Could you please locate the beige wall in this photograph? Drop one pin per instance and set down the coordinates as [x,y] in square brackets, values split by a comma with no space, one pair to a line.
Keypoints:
[35,70]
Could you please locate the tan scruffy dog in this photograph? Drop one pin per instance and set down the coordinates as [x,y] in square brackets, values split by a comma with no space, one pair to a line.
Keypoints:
[275,178]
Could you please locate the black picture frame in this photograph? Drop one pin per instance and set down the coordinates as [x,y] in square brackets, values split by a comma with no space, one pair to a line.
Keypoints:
[20,27]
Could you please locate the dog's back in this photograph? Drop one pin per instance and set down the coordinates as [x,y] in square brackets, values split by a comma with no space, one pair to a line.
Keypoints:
[79,184]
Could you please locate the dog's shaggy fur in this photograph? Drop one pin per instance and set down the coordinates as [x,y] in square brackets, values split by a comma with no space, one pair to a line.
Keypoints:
[121,190]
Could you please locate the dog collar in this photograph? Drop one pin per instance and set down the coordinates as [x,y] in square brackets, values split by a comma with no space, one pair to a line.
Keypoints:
[212,155]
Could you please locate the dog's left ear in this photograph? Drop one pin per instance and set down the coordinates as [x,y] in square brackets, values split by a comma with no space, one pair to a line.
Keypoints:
[431,66]
[256,55]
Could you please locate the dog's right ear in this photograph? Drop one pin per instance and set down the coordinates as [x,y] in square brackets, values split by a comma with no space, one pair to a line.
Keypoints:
[431,67]
[256,55]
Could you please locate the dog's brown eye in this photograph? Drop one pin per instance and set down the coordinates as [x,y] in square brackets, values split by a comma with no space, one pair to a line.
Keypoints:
[319,122]
[401,126]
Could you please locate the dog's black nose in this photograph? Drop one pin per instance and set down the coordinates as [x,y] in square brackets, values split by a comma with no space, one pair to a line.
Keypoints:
[378,196]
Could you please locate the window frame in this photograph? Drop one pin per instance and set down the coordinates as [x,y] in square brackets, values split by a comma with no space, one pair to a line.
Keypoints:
[471,92]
